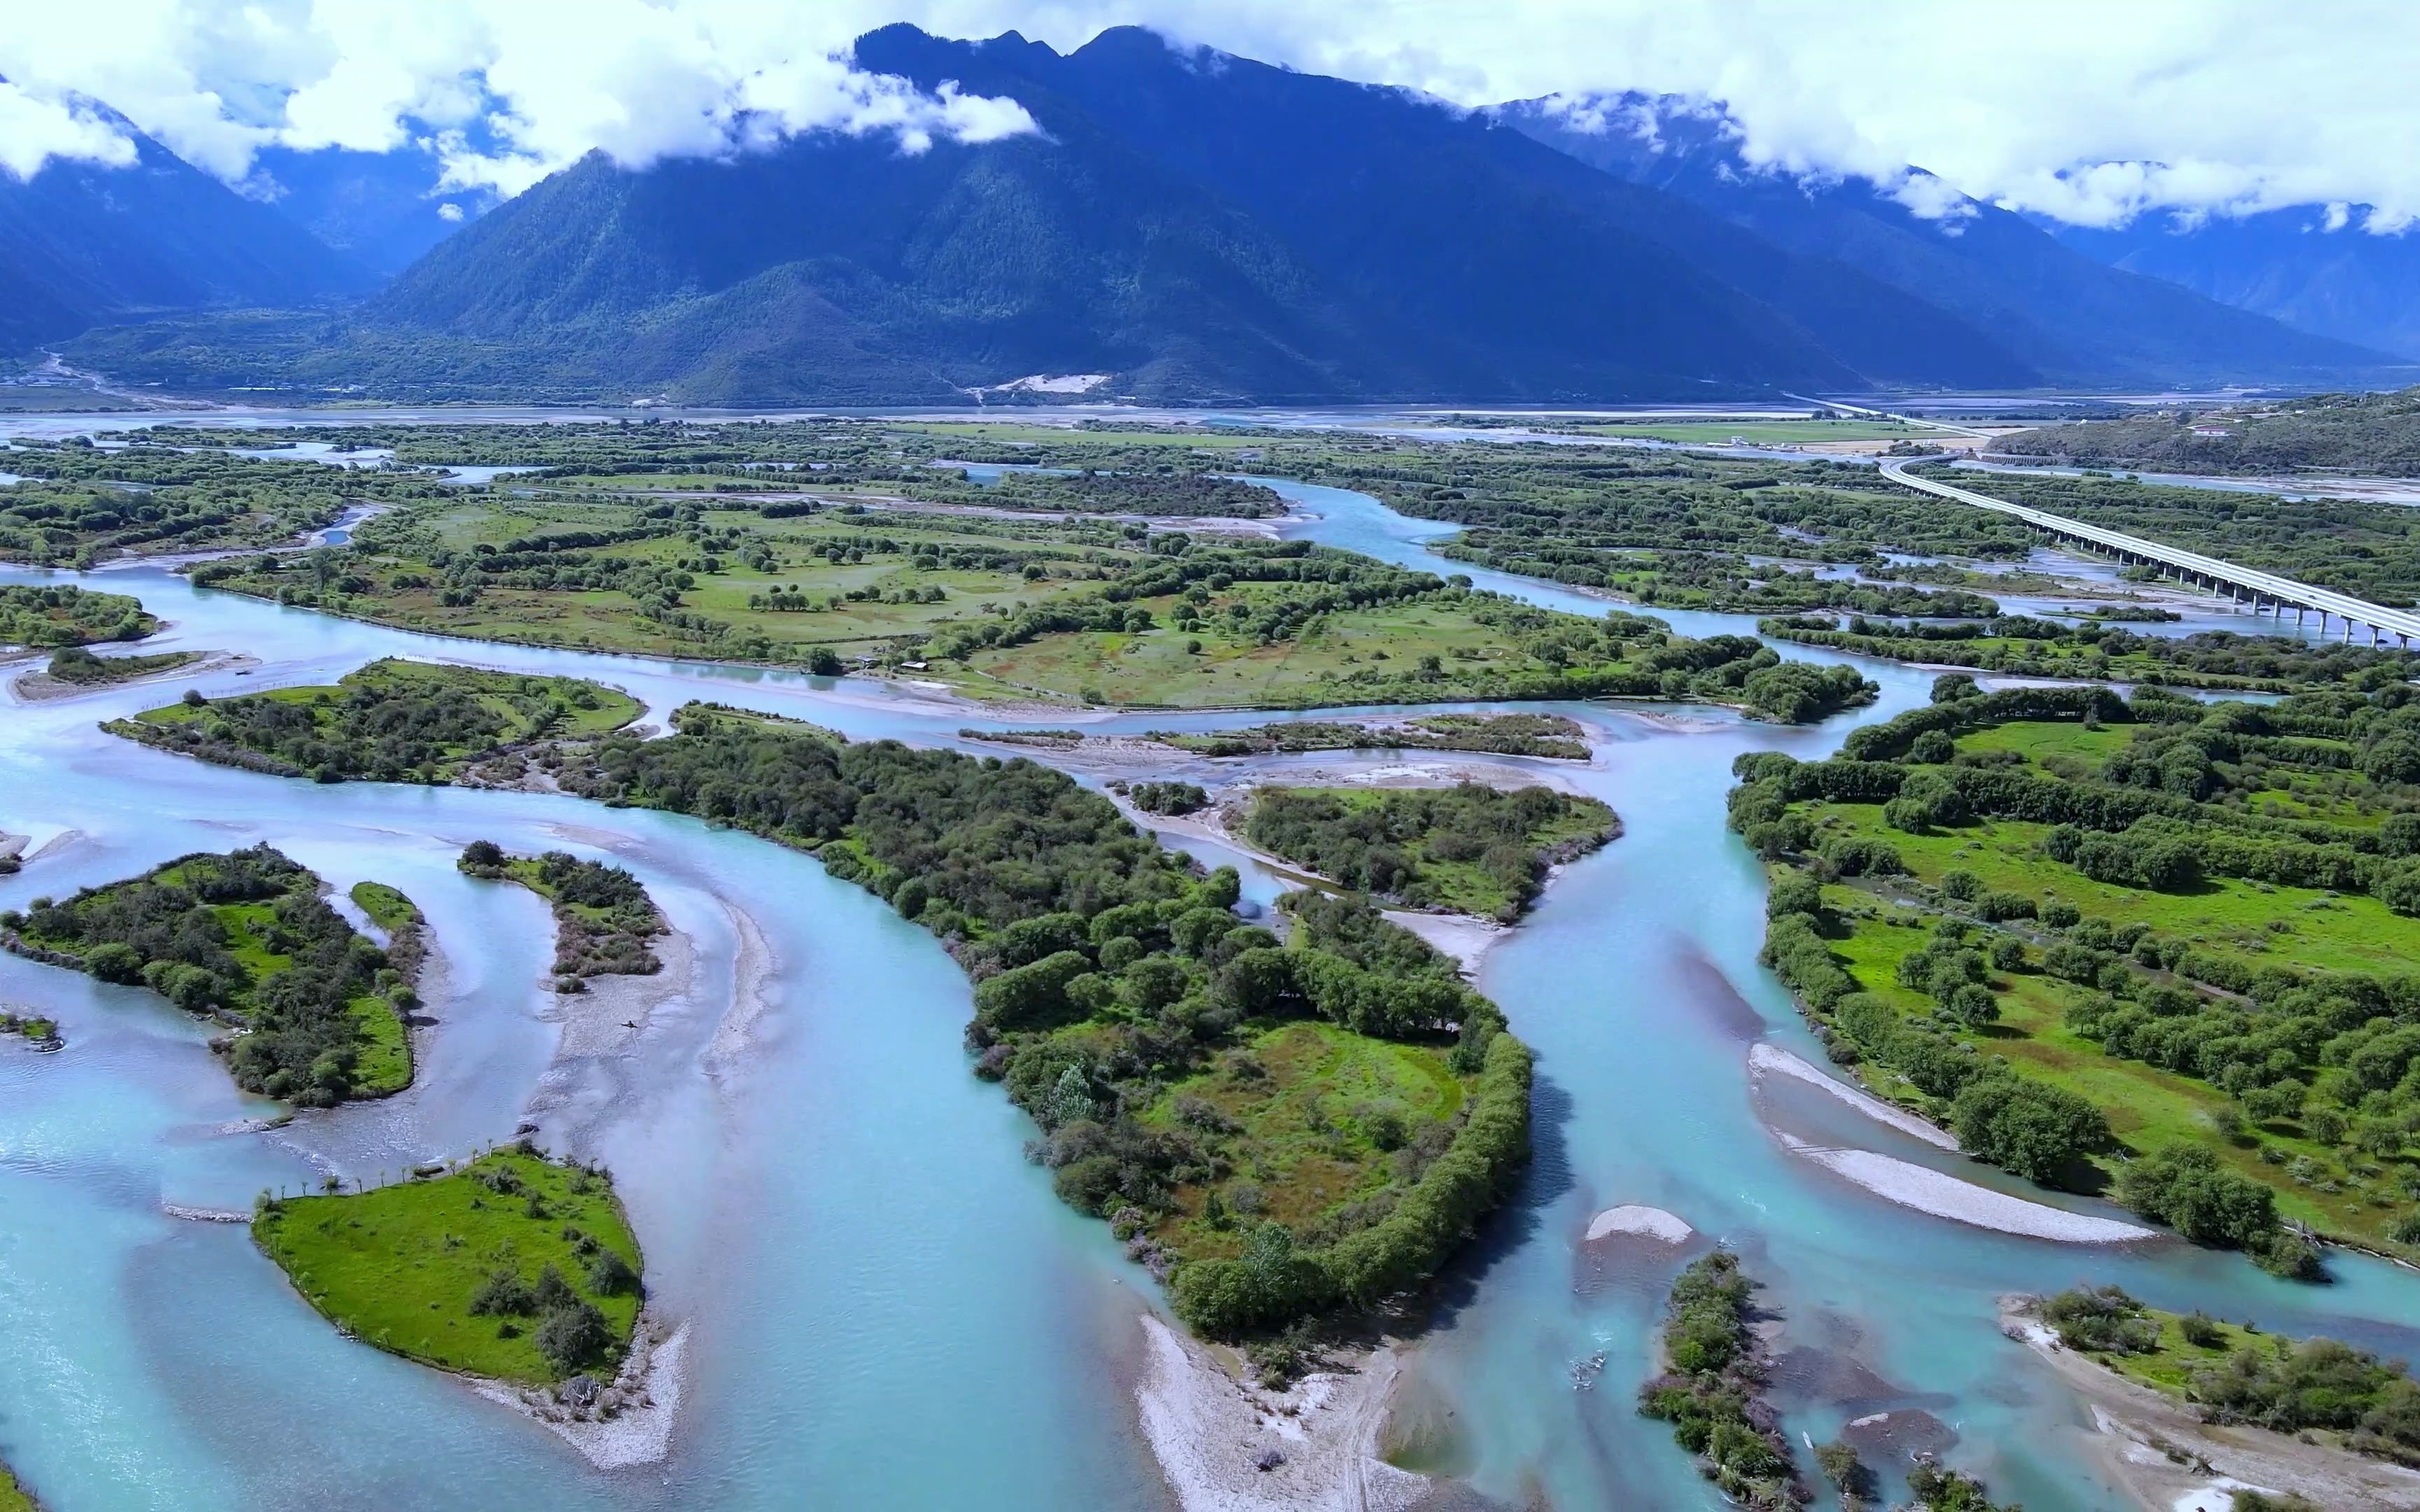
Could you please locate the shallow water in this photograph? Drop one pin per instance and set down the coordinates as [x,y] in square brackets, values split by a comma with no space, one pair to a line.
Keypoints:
[889,1307]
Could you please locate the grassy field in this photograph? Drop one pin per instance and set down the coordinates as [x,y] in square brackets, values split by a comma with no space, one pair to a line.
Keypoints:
[2229,950]
[1316,1114]
[2255,921]
[388,908]
[2147,1108]
[1158,668]
[777,587]
[399,1266]
[13,1497]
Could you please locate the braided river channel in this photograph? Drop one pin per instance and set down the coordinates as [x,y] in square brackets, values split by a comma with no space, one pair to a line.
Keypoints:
[885,1305]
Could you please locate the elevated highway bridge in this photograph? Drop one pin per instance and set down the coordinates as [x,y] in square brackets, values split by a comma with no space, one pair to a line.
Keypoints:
[2265,592]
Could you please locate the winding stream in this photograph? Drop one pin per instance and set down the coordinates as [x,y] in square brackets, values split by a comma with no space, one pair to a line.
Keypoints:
[888,1305]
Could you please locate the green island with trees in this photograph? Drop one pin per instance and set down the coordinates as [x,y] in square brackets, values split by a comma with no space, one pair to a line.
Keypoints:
[79,668]
[2236,1374]
[34,1029]
[511,1266]
[1498,734]
[2070,925]
[1469,848]
[603,918]
[1281,1126]
[245,937]
[1709,1387]
[46,616]
[393,721]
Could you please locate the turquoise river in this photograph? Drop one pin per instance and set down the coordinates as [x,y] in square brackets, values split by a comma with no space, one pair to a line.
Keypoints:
[886,1306]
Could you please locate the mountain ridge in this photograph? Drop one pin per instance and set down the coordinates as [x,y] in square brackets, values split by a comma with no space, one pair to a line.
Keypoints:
[82,242]
[1207,229]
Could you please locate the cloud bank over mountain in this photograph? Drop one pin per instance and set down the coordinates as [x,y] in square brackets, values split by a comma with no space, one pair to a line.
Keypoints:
[2081,110]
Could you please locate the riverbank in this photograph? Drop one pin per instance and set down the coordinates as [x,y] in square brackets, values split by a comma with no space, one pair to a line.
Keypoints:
[629,1419]
[1767,1058]
[2167,1459]
[1926,1190]
[1226,1445]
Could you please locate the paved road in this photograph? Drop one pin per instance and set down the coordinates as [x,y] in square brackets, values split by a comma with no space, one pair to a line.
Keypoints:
[1917,421]
[2403,624]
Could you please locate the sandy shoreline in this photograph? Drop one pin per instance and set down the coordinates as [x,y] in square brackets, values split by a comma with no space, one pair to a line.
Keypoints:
[1926,1190]
[1320,1438]
[2135,1427]
[630,1422]
[615,1008]
[1765,1057]
[1633,1218]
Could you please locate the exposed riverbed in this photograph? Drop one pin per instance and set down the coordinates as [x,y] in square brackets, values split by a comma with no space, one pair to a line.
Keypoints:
[887,1306]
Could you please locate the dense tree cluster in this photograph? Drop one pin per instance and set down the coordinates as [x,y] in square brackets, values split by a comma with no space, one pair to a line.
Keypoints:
[603,918]
[1708,1388]
[75,665]
[2019,646]
[1400,843]
[392,722]
[1168,797]
[45,615]
[186,930]
[2328,1056]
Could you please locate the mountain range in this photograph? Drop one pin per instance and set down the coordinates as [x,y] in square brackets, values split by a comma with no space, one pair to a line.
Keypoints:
[83,244]
[1184,226]
[2300,266]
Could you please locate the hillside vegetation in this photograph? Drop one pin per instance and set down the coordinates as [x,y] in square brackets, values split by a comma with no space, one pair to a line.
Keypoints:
[2367,433]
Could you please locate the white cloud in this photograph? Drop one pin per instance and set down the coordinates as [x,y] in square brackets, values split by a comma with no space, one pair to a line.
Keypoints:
[2091,111]
[506,90]
[34,130]
[450,212]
